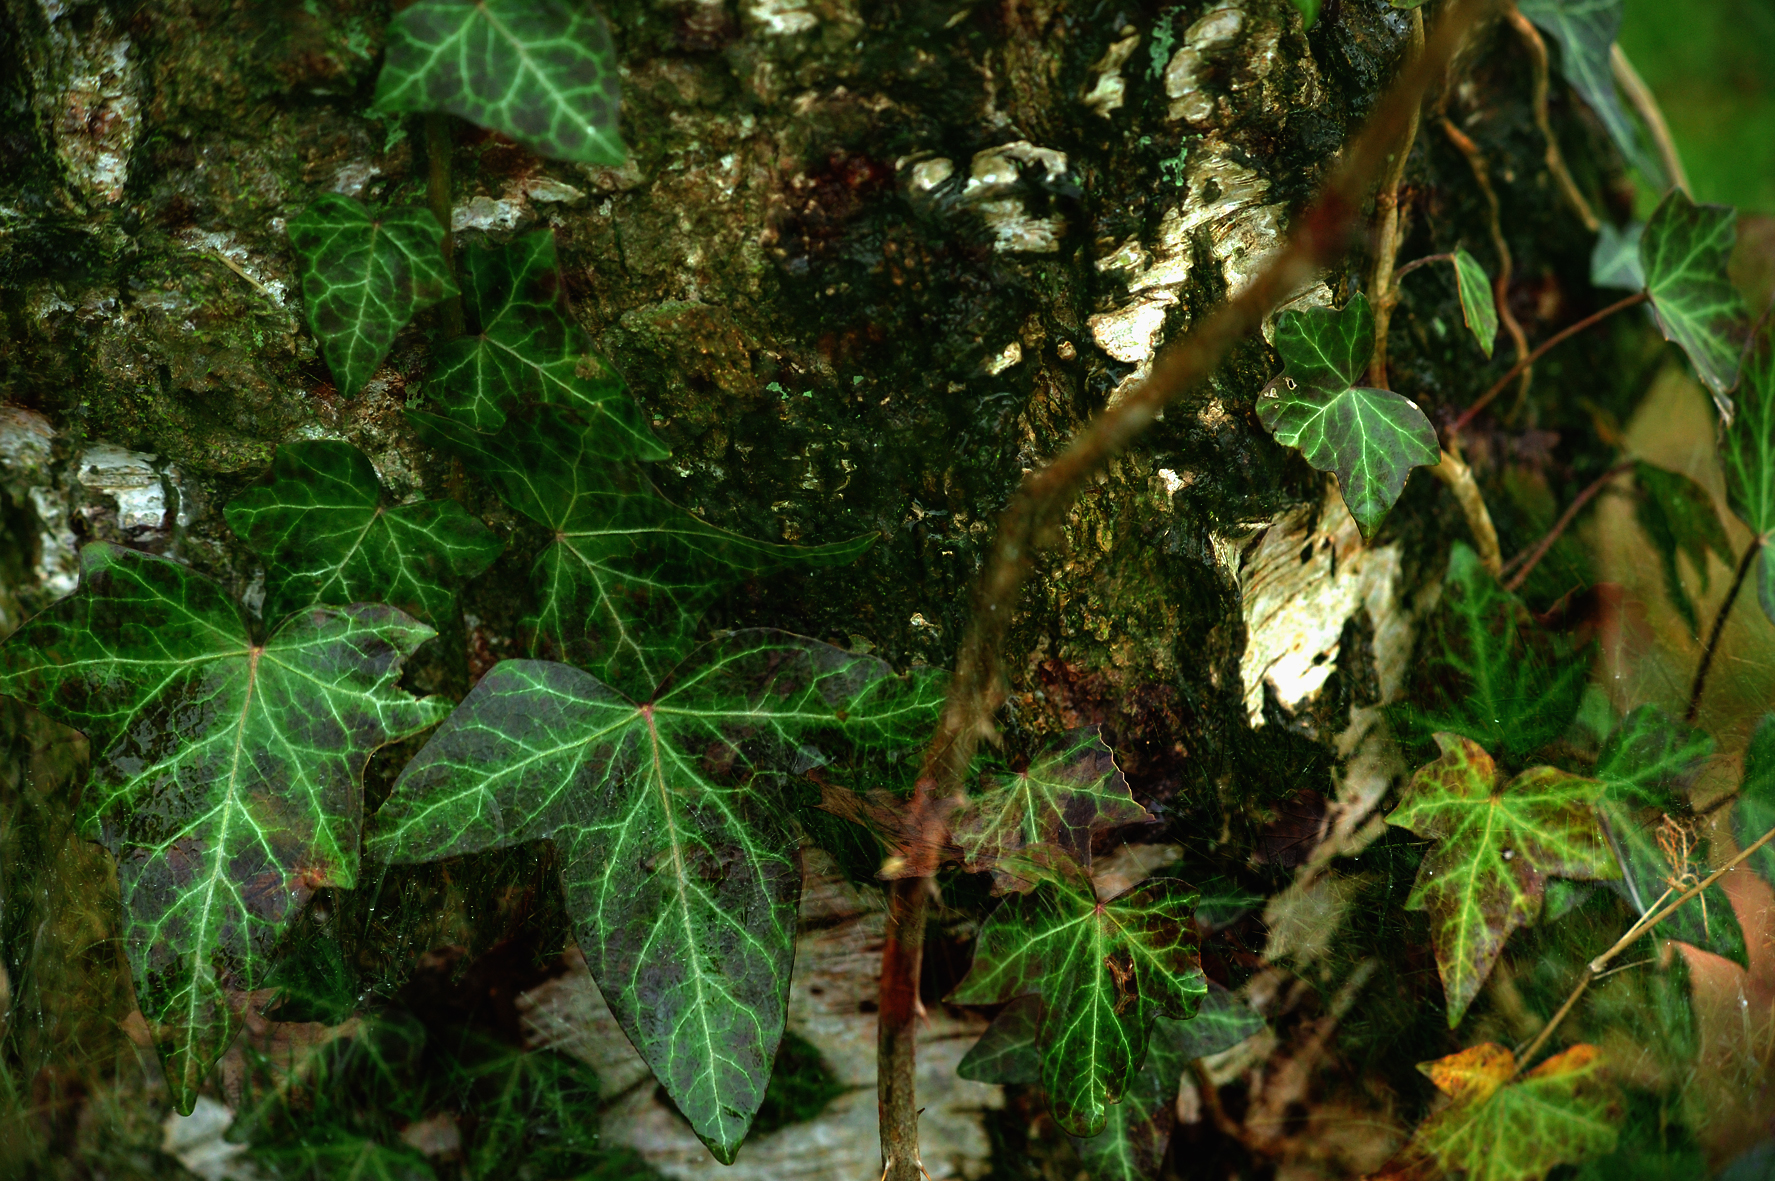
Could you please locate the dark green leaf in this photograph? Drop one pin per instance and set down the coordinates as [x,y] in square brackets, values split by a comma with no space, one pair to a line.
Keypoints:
[1006,1052]
[1679,517]
[530,352]
[1585,30]
[1370,438]
[1614,261]
[1495,848]
[327,536]
[1104,973]
[1748,454]
[628,576]
[540,71]
[1754,814]
[1491,673]
[1479,308]
[227,772]
[1684,252]
[364,277]
[678,862]
[1649,760]
[1661,858]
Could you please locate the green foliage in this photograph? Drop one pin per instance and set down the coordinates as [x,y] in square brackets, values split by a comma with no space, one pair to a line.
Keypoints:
[541,71]
[1747,451]
[1479,307]
[1565,1111]
[677,860]
[327,537]
[1585,30]
[1309,12]
[1678,516]
[1489,672]
[1496,847]
[1060,799]
[364,277]
[1684,252]
[628,577]
[530,352]
[1105,971]
[1754,814]
[1614,261]
[228,771]
[1370,438]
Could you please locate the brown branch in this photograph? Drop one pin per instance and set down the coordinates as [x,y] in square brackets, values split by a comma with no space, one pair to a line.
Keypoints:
[1454,472]
[1540,350]
[1646,106]
[1415,263]
[1531,557]
[1644,924]
[1562,176]
[1500,284]
[1383,287]
[1719,626]
[1040,505]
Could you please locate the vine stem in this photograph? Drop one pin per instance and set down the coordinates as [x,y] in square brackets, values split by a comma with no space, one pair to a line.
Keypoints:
[1530,558]
[1033,518]
[1454,472]
[1646,105]
[1537,51]
[1645,923]
[1494,222]
[438,147]
[1415,263]
[1719,626]
[1384,287]
[1540,350]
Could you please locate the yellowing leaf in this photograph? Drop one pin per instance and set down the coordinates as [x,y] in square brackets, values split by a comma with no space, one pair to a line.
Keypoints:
[1496,847]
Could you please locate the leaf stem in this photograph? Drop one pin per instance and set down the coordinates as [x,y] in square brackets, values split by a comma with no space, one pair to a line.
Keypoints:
[1540,350]
[1384,287]
[438,147]
[897,1028]
[1415,263]
[1537,51]
[1646,106]
[1719,626]
[1531,557]
[1645,923]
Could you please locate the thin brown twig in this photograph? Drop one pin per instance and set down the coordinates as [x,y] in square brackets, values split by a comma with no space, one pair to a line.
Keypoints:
[1643,924]
[1415,263]
[1500,283]
[1383,287]
[1538,352]
[1719,626]
[1032,519]
[1531,557]
[1562,176]
[1645,104]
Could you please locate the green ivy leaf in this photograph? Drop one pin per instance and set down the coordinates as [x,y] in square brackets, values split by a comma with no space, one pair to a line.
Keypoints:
[1006,1052]
[327,537]
[1679,517]
[364,277]
[1684,252]
[1565,1111]
[1370,438]
[227,772]
[1492,674]
[677,858]
[1061,799]
[540,71]
[1748,454]
[529,351]
[1648,759]
[1104,972]
[1754,814]
[1479,307]
[1585,30]
[1614,261]
[1495,848]
[628,576]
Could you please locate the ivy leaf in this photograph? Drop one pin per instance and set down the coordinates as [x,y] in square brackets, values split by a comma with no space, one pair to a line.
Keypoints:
[1496,846]
[1493,675]
[1585,30]
[1061,799]
[1370,438]
[677,858]
[628,576]
[227,772]
[1479,308]
[1684,252]
[364,277]
[540,71]
[529,351]
[327,537]
[1614,261]
[1754,814]
[1748,454]
[1648,758]
[1679,517]
[1564,1111]
[1006,1052]
[1104,971]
